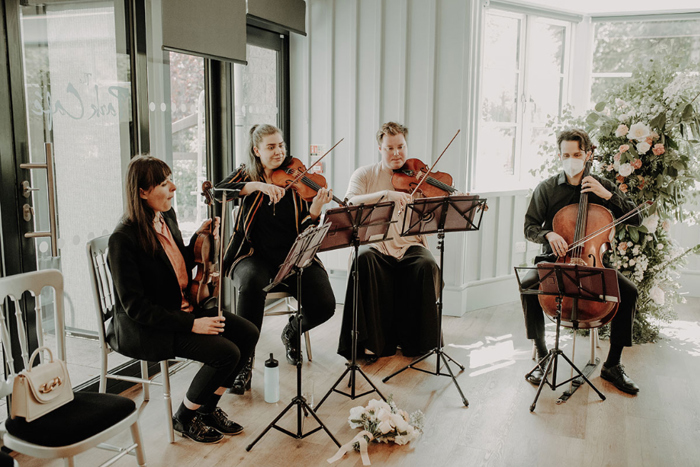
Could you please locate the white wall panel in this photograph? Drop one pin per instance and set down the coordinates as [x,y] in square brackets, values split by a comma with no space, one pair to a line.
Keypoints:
[417,62]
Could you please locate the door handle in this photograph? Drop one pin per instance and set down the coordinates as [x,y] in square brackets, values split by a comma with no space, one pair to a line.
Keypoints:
[50,185]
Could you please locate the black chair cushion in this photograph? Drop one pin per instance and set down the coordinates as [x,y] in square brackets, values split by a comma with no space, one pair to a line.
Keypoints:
[6,460]
[88,414]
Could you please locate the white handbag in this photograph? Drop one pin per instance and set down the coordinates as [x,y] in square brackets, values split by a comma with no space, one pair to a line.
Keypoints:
[39,390]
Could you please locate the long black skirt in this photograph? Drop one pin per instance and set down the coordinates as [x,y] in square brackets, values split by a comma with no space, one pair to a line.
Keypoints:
[397,304]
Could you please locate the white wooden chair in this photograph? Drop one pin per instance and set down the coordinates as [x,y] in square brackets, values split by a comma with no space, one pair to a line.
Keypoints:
[103,290]
[84,423]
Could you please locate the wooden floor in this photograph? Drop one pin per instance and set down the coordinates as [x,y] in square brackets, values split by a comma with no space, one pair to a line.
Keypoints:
[659,427]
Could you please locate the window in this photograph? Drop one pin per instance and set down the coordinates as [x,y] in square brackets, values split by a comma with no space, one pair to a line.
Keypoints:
[177,122]
[524,79]
[620,45]
[259,87]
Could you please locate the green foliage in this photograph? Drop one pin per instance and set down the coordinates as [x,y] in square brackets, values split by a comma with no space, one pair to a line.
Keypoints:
[646,130]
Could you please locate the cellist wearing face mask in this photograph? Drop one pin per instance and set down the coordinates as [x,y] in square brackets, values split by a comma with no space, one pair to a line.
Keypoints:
[549,197]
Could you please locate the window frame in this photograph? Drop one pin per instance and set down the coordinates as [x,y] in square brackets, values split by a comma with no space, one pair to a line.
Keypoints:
[523,124]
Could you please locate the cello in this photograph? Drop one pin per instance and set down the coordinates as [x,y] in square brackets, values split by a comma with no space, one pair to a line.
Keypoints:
[584,226]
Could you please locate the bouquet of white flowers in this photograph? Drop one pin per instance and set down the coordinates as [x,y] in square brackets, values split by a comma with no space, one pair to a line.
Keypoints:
[381,422]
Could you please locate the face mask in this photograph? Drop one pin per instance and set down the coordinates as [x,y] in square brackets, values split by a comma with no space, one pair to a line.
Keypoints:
[572,166]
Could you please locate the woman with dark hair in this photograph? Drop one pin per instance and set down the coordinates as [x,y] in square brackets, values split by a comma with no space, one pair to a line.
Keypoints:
[269,221]
[154,319]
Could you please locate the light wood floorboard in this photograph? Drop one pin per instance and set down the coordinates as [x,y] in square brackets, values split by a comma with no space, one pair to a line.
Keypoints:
[659,427]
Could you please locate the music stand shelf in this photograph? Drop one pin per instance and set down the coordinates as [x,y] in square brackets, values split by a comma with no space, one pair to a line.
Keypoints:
[457,213]
[567,281]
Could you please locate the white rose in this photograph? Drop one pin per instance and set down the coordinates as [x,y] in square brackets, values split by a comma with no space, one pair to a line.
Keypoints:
[632,262]
[377,405]
[643,147]
[620,103]
[385,427]
[356,413]
[384,415]
[638,131]
[660,246]
[656,294]
[626,169]
[651,222]
[622,130]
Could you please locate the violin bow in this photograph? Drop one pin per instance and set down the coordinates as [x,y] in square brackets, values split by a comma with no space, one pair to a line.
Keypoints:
[309,168]
[219,303]
[434,164]
[640,208]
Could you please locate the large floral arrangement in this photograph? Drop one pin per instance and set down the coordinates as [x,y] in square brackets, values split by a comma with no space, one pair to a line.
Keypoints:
[647,131]
[381,422]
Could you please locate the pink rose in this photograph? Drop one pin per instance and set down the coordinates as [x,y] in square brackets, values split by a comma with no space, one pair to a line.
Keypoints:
[649,140]
[617,157]
[623,188]
[658,149]
[620,178]
[622,130]
[624,148]
[637,164]
[610,167]
[622,246]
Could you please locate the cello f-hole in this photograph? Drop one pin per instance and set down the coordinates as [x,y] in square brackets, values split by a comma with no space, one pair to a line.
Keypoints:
[592,257]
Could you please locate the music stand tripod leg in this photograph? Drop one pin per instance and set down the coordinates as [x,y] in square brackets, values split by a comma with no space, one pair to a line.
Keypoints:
[551,358]
[437,350]
[299,400]
[353,367]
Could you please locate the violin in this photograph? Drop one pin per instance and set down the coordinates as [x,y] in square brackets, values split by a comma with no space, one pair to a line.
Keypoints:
[408,177]
[584,226]
[206,281]
[296,176]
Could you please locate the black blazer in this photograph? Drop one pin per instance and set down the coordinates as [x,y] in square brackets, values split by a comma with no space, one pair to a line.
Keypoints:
[147,311]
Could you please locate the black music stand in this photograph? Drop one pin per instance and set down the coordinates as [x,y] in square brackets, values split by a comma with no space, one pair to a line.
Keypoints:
[355,226]
[575,282]
[455,213]
[300,255]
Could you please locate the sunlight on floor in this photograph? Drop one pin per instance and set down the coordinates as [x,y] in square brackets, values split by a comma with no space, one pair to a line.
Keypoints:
[684,336]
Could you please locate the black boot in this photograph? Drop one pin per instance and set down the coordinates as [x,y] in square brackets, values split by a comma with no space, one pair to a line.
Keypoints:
[289,339]
[243,379]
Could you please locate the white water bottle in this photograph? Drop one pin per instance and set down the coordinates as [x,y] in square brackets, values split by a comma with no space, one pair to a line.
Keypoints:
[272,380]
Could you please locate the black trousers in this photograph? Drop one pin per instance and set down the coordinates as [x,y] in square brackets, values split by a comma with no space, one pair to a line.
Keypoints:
[223,355]
[620,326]
[397,303]
[317,300]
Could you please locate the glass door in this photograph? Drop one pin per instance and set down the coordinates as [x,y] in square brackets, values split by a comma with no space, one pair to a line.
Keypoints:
[77,83]
[259,88]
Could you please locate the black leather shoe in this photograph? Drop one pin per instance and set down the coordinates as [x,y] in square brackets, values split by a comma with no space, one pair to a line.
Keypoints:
[243,379]
[221,423]
[616,375]
[536,376]
[289,339]
[197,431]
[370,358]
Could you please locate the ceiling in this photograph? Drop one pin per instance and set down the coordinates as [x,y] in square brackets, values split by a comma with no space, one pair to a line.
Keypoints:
[617,6]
